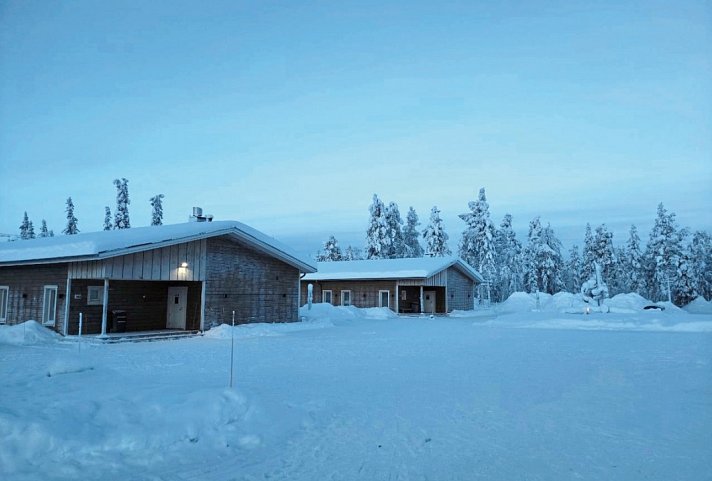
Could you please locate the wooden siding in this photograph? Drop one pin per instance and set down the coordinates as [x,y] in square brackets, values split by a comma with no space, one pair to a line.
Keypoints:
[258,287]
[144,302]
[26,291]
[151,265]
[459,291]
[439,279]
[363,293]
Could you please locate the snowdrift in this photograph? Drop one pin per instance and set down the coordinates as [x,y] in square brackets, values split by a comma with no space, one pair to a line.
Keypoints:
[567,303]
[343,314]
[29,332]
[699,306]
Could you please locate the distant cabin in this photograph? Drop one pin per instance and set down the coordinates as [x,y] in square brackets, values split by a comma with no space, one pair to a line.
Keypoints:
[419,285]
[183,276]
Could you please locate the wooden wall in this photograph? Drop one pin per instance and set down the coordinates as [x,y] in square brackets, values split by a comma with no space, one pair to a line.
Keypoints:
[460,289]
[363,293]
[151,265]
[258,287]
[26,291]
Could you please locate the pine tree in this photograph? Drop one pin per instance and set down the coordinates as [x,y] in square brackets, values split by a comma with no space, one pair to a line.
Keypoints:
[71,228]
[701,260]
[604,253]
[107,218]
[44,232]
[633,263]
[31,231]
[331,252]
[508,255]
[25,228]
[588,255]
[410,235]
[121,217]
[157,213]
[573,271]
[352,254]
[435,236]
[394,232]
[477,243]
[662,254]
[377,240]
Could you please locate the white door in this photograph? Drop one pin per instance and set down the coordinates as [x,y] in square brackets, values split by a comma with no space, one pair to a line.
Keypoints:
[384,298]
[177,303]
[49,306]
[429,301]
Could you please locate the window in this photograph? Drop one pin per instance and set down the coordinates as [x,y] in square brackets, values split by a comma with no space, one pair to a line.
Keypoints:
[326,296]
[49,306]
[384,298]
[345,298]
[4,294]
[95,295]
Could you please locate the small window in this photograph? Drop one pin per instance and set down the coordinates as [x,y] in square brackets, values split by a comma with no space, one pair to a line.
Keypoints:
[326,296]
[345,298]
[384,298]
[95,295]
[4,294]
[49,306]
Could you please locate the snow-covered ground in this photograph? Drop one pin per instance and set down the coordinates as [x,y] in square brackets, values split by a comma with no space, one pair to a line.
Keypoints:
[354,394]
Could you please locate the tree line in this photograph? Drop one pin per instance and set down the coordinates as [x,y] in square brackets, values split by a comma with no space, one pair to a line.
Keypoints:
[120,219]
[675,264]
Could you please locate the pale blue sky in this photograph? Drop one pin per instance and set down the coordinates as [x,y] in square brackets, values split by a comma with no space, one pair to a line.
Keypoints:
[289,116]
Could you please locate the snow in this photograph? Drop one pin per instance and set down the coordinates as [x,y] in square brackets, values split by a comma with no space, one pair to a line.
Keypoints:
[505,393]
[107,243]
[411,268]
[699,306]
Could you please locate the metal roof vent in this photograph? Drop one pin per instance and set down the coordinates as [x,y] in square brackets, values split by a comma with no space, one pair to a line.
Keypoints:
[197,216]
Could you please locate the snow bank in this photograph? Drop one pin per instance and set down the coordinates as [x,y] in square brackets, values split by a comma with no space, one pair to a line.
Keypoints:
[699,306]
[567,303]
[325,312]
[247,331]
[29,332]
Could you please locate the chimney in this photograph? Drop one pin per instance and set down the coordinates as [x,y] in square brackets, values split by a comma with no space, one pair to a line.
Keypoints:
[198,216]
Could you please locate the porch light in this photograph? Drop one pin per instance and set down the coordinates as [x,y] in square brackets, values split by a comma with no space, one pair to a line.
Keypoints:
[183,265]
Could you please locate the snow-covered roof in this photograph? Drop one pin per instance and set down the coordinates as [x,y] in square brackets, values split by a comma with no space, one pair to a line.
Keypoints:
[103,244]
[415,268]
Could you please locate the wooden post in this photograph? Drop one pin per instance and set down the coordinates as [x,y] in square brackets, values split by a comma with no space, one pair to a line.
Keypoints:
[105,308]
[422,301]
[67,297]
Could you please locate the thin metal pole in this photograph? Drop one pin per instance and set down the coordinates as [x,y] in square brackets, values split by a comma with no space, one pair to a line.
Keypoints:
[232,347]
[80,332]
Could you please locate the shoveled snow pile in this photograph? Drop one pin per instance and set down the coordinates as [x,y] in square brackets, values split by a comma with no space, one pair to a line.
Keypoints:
[699,306]
[323,311]
[567,303]
[28,332]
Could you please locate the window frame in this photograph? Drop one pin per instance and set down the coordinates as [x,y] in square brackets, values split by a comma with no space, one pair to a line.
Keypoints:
[342,298]
[48,320]
[100,301]
[380,298]
[4,302]
[331,296]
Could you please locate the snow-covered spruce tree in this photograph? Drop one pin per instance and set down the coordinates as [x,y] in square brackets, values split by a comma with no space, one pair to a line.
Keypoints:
[377,240]
[685,288]
[605,255]
[352,254]
[44,232]
[394,232]
[543,262]
[508,258]
[633,263]
[411,235]
[27,230]
[331,251]
[573,271]
[435,236]
[662,254]
[588,256]
[477,243]
[71,228]
[157,209]
[701,258]
[121,217]
[107,218]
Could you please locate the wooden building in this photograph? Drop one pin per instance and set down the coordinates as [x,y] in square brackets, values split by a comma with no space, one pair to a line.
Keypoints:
[183,276]
[419,285]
